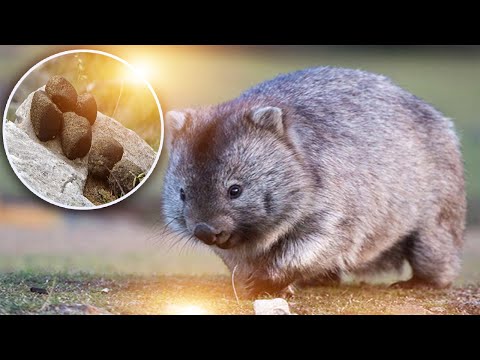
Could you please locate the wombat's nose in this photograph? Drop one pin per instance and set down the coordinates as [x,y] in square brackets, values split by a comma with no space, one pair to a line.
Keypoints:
[206,233]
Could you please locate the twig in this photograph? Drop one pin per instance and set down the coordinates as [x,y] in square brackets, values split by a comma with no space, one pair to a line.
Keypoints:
[116,180]
[136,177]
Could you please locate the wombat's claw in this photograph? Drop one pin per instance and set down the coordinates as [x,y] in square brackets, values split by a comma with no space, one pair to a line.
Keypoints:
[401,285]
[256,287]
[288,292]
[412,283]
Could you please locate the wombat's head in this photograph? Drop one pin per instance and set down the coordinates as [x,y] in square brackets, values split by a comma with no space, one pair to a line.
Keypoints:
[233,178]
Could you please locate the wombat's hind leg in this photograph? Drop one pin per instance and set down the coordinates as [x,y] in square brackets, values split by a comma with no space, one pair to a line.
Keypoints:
[434,255]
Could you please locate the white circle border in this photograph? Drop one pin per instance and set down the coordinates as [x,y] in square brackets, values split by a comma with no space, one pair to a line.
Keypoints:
[132,68]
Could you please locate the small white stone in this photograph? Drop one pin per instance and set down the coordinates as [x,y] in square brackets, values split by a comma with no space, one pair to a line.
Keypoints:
[271,307]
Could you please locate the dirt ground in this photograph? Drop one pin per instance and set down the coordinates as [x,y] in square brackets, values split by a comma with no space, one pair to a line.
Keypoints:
[213,295]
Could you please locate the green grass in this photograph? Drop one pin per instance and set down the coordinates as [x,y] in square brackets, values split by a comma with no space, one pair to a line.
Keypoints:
[214,295]
[16,297]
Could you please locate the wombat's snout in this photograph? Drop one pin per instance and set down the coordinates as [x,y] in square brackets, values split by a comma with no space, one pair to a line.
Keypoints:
[212,236]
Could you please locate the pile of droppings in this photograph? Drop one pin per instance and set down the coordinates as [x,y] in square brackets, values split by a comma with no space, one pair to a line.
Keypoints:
[59,112]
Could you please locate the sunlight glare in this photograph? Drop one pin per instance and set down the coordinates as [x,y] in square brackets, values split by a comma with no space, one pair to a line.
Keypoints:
[141,70]
[186,310]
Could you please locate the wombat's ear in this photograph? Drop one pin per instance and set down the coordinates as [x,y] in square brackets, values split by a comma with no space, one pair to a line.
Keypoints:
[268,117]
[175,119]
[174,122]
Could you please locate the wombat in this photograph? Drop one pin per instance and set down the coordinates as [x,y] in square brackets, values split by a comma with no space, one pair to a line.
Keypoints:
[319,173]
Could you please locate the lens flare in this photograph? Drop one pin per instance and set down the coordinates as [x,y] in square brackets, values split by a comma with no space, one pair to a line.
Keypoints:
[141,70]
[186,310]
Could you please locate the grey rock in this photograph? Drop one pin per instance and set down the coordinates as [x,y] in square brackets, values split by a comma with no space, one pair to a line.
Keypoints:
[45,170]
[271,307]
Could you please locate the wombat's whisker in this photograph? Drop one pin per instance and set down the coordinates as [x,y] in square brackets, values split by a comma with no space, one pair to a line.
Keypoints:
[186,243]
[166,226]
[176,239]
[157,234]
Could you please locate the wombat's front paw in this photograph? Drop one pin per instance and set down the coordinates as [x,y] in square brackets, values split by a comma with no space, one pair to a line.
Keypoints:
[256,286]
[416,283]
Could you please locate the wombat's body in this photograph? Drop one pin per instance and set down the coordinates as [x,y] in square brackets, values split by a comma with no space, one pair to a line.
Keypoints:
[340,171]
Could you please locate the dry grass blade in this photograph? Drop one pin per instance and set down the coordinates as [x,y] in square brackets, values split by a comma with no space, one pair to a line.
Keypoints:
[47,300]
[233,284]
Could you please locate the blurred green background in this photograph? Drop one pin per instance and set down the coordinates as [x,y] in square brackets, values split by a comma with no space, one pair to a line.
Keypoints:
[125,237]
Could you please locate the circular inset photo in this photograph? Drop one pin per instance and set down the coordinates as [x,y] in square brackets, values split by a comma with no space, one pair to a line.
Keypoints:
[83,129]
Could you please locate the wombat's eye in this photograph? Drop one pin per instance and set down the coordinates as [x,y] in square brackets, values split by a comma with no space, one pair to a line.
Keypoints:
[182,195]
[234,191]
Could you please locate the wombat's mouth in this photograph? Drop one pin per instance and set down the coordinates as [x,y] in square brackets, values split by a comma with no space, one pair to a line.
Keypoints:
[210,236]
[227,244]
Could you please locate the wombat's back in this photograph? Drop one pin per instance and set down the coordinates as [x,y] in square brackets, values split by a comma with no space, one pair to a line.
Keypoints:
[362,119]
[387,164]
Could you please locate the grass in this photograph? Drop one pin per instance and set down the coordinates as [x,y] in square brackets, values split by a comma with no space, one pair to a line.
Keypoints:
[122,294]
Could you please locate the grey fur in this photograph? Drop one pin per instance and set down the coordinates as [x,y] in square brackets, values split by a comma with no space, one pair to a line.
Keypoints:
[362,176]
